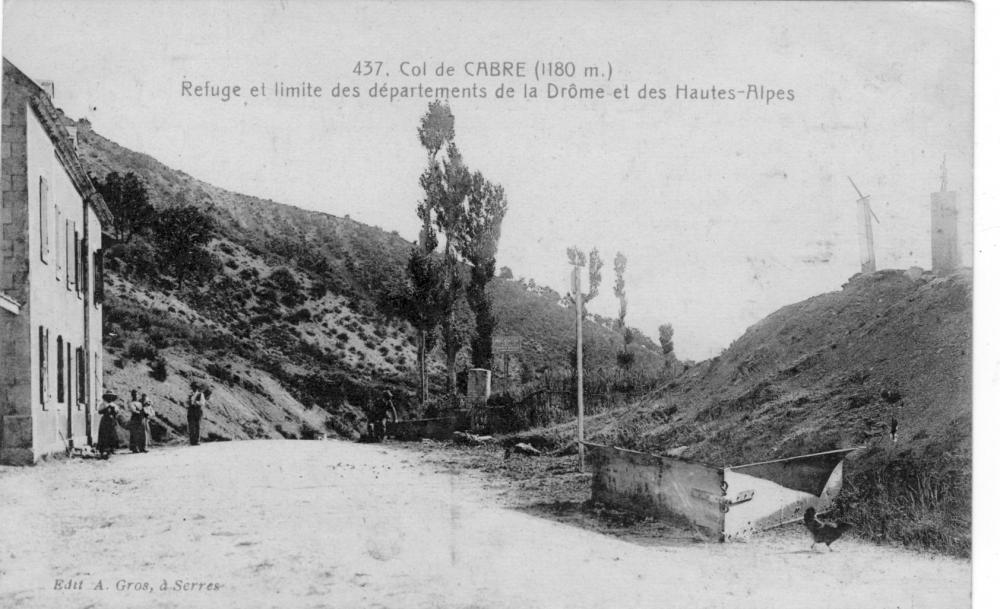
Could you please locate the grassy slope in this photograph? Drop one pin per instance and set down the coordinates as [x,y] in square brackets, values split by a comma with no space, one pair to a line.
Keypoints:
[314,340]
[811,377]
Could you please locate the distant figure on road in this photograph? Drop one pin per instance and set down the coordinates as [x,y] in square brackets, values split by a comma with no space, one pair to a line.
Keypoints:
[138,425]
[107,431]
[195,410]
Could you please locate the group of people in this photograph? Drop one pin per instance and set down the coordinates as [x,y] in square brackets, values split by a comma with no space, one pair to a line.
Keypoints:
[139,411]
[378,412]
[135,416]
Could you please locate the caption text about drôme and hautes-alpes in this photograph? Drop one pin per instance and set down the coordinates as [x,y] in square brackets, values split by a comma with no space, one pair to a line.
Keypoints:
[527,81]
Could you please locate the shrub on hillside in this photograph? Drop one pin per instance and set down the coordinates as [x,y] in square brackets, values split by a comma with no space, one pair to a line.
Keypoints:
[317,290]
[308,432]
[219,372]
[300,316]
[137,259]
[158,369]
[158,339]
[138,351]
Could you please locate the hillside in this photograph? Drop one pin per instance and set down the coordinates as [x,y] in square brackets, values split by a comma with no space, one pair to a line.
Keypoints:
[830,372]
[286,330]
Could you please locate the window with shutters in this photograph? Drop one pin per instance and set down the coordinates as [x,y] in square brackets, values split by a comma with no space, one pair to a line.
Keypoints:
[43,218]
[60,370]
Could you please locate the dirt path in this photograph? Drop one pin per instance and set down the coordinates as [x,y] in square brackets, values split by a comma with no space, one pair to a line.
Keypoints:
[333,524]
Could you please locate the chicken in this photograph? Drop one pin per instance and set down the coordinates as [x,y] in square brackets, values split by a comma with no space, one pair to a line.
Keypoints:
[824,532]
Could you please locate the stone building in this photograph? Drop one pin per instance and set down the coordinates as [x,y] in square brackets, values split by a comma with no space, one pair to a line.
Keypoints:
[944,228]
[50,279]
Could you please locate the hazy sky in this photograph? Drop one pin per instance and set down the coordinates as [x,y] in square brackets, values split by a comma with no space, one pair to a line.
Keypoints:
[726,209]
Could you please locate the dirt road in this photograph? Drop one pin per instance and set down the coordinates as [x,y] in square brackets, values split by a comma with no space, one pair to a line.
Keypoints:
[334,524]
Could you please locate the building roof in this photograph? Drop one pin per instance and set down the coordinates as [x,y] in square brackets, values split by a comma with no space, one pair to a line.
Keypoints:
[49,117]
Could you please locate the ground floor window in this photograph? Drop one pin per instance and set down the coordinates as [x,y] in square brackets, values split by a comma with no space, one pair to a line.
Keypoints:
[43,365]
[69,374]
[60,370]
[81,377]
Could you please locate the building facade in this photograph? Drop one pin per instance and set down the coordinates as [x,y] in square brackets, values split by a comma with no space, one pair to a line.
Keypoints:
[50,279]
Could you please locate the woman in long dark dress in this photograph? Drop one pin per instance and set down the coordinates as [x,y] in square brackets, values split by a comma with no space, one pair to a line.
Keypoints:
[107,431]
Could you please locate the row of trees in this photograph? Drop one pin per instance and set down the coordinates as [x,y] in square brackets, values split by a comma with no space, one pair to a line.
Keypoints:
[626,357]
[444,292]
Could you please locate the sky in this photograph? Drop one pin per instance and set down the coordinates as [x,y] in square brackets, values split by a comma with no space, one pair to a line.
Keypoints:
[726,209]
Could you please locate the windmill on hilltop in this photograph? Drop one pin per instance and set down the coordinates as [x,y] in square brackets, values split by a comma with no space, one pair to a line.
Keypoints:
[866,241]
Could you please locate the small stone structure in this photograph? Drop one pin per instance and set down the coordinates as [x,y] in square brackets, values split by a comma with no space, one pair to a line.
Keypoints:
[944,229]
[478,387]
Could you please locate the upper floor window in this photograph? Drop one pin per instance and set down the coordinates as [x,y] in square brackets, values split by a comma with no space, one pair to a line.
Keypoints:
[77,267]
[59,244]
[70,254]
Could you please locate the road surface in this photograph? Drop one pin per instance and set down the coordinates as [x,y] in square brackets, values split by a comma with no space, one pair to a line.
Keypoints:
[333,524]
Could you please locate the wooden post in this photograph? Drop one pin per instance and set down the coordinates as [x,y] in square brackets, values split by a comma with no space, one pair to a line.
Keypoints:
[579,361]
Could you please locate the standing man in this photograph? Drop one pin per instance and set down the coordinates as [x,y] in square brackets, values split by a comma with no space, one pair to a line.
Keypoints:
[137,426]
[195,410]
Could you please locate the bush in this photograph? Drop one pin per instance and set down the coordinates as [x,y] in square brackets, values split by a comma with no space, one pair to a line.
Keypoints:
[158,339]
[138,351]
[299,316]
[317,290]
[159,369]
[135,259]
[308,432]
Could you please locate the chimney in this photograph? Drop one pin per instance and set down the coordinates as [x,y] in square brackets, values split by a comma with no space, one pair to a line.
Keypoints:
[49,87]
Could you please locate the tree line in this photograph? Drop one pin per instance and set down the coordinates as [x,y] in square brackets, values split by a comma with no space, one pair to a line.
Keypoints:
[175,237]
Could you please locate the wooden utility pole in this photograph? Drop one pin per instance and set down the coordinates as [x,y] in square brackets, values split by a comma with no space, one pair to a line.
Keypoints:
[579,362]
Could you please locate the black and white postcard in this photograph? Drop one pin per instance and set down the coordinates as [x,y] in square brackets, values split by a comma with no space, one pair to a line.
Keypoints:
[491,304]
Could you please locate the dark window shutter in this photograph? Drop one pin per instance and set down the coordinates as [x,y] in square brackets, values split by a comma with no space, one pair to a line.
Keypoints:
[43,364]
[99,276]
[60,371]
[81,376]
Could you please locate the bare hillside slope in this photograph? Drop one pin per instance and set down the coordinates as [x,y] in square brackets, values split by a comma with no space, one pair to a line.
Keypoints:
[835,371]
